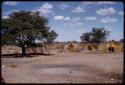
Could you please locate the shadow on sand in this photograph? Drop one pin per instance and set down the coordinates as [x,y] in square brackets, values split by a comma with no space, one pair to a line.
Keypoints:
[2,80]
[18,55]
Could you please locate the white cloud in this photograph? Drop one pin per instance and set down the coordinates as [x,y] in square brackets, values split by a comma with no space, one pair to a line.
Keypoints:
[58,17]
[79,23]
[105,11]
[67,18]
[5,17]
[69,21]
[121,13]
[12,3]
[78,10]
[45,9]
[74,21]
[63,6]
[108,20]
[90,4]
[61,18]
[87,3]
[47,6]
[105,2]
[90,18]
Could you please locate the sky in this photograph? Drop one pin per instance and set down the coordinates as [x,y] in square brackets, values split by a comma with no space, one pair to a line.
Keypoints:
[71,19]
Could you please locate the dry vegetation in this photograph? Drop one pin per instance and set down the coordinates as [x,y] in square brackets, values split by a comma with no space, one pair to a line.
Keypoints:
[64,47]
[73,66]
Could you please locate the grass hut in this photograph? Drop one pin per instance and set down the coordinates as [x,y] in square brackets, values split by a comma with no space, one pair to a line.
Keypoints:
[111,46]
[90,47]
[116,46]
[71,47]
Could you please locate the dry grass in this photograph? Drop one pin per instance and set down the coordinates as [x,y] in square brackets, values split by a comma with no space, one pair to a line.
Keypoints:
[7,49]
[71,47]
[117,46]
[90,47]
[12,65]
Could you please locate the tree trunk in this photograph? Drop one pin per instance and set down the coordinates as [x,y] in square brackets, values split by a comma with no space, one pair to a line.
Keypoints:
[23,51]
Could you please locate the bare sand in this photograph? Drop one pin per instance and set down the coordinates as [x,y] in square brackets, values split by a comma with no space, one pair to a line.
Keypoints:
[83,67]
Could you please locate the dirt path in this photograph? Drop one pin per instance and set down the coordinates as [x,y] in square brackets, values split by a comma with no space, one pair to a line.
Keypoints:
[65,68]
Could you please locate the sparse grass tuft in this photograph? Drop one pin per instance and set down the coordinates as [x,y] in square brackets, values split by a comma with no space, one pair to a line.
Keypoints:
[13,66]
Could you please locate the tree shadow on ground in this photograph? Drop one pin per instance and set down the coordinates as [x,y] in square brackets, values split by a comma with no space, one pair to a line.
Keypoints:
[18,55]
[2,80]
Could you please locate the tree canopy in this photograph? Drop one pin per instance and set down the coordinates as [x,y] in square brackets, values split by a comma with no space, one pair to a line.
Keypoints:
[97,35]
[24,27]
[51,36]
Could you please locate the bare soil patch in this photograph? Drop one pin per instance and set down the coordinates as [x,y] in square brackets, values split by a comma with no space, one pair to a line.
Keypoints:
[79,67]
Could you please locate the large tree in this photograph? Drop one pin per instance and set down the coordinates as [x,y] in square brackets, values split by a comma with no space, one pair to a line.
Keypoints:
[99,35]
[95,36]
[86,37]
[23,28]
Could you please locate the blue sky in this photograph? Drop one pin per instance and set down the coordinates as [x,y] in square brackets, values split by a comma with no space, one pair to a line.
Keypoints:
[71,19]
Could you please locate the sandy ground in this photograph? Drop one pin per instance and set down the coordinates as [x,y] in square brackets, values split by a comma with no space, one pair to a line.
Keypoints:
[65,68]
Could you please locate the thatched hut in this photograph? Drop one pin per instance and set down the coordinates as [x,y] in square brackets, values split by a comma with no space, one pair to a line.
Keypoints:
[90,47]
[114,46]
[111,46]
[72,47]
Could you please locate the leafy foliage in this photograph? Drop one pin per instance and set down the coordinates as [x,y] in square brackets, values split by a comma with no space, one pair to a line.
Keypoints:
[24,27]
[86,37]
[99,35]
[51,37]
[96,36]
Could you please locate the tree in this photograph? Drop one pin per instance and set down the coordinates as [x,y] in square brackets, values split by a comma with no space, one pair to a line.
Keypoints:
[51,37]
[96,36]
[86,37]
[23,28]
[99,35]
